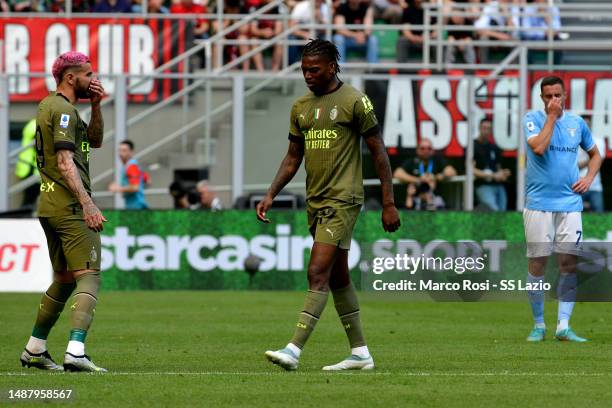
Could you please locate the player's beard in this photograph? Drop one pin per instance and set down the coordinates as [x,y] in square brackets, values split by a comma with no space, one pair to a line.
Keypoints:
[81,90]
[314,89]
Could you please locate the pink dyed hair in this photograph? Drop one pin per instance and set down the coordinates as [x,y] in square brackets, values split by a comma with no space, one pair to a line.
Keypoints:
[67,60]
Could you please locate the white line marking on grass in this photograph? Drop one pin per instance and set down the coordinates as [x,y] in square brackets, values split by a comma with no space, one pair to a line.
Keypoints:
[311,373]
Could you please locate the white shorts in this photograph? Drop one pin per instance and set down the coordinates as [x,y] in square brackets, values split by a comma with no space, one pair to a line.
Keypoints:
[547,232]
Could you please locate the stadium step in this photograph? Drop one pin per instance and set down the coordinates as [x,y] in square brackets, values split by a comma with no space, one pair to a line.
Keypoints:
[387,40]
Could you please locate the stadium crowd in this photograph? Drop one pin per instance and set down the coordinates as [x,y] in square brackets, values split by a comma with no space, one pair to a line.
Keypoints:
[496,20]
[492,19]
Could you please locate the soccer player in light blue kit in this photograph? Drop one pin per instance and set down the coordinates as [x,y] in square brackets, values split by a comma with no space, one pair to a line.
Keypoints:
[553,205]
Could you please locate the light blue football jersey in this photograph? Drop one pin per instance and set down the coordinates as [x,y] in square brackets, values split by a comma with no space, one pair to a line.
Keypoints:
[550,177]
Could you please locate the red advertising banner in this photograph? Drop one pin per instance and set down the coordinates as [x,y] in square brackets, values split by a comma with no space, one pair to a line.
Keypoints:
[132,46]
[436,107]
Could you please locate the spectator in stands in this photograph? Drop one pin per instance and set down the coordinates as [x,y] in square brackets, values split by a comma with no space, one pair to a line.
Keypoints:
[265,29]
[112,6]
[357,39]
[231,51]
[460,40]
[252,5]
[4,6]
[201,25]
[593,199]
[307,12]
[423,172]
[59,6]
[180,196]
[410,41]
[496,15]
[390,11]
[153,6]
[208,199]
[488,173]
[22,6]
[421,197]
[543,16]
[133,179]
[547,19]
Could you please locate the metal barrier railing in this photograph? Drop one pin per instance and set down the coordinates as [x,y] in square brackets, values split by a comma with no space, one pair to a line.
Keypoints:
[436,19]
[266,79]
[431,11]
[238,126]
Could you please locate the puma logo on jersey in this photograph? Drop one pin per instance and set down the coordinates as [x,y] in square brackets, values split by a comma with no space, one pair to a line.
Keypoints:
[330,232]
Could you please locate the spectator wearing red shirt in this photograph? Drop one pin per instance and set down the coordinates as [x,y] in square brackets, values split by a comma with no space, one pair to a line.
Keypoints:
[230,52]
[189,7]
[265,29]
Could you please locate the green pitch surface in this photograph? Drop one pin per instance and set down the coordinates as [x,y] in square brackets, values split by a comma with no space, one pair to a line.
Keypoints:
[206,349]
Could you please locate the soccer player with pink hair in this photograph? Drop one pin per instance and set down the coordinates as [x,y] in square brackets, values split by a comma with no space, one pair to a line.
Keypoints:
[70,219]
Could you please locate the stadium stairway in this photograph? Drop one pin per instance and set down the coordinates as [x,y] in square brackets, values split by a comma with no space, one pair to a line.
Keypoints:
[594,19]
[266,128]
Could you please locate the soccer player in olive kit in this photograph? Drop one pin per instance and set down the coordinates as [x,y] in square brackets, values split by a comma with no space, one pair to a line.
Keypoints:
[70,219]
[327,126]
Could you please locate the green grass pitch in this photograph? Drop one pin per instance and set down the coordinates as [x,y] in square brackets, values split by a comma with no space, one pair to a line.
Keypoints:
[206,349]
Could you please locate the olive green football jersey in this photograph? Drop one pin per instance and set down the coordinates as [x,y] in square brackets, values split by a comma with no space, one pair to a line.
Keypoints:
[331,127]
[59,126]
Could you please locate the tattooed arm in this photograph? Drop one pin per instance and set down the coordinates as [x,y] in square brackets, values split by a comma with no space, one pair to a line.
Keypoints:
[289,166]
[390,217]
[95,129]
[91,214]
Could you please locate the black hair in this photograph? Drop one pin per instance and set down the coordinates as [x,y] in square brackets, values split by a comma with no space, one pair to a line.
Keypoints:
[129,143]
[485,119]
[551,80]
[316,47]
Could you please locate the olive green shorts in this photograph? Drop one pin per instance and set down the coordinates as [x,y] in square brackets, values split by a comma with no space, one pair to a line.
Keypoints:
[332,222]
[72,245]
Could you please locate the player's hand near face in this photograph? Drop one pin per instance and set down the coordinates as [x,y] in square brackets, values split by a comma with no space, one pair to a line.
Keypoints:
[96,91]
[390,218]
[555,108]
[262,208]
[582,185]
